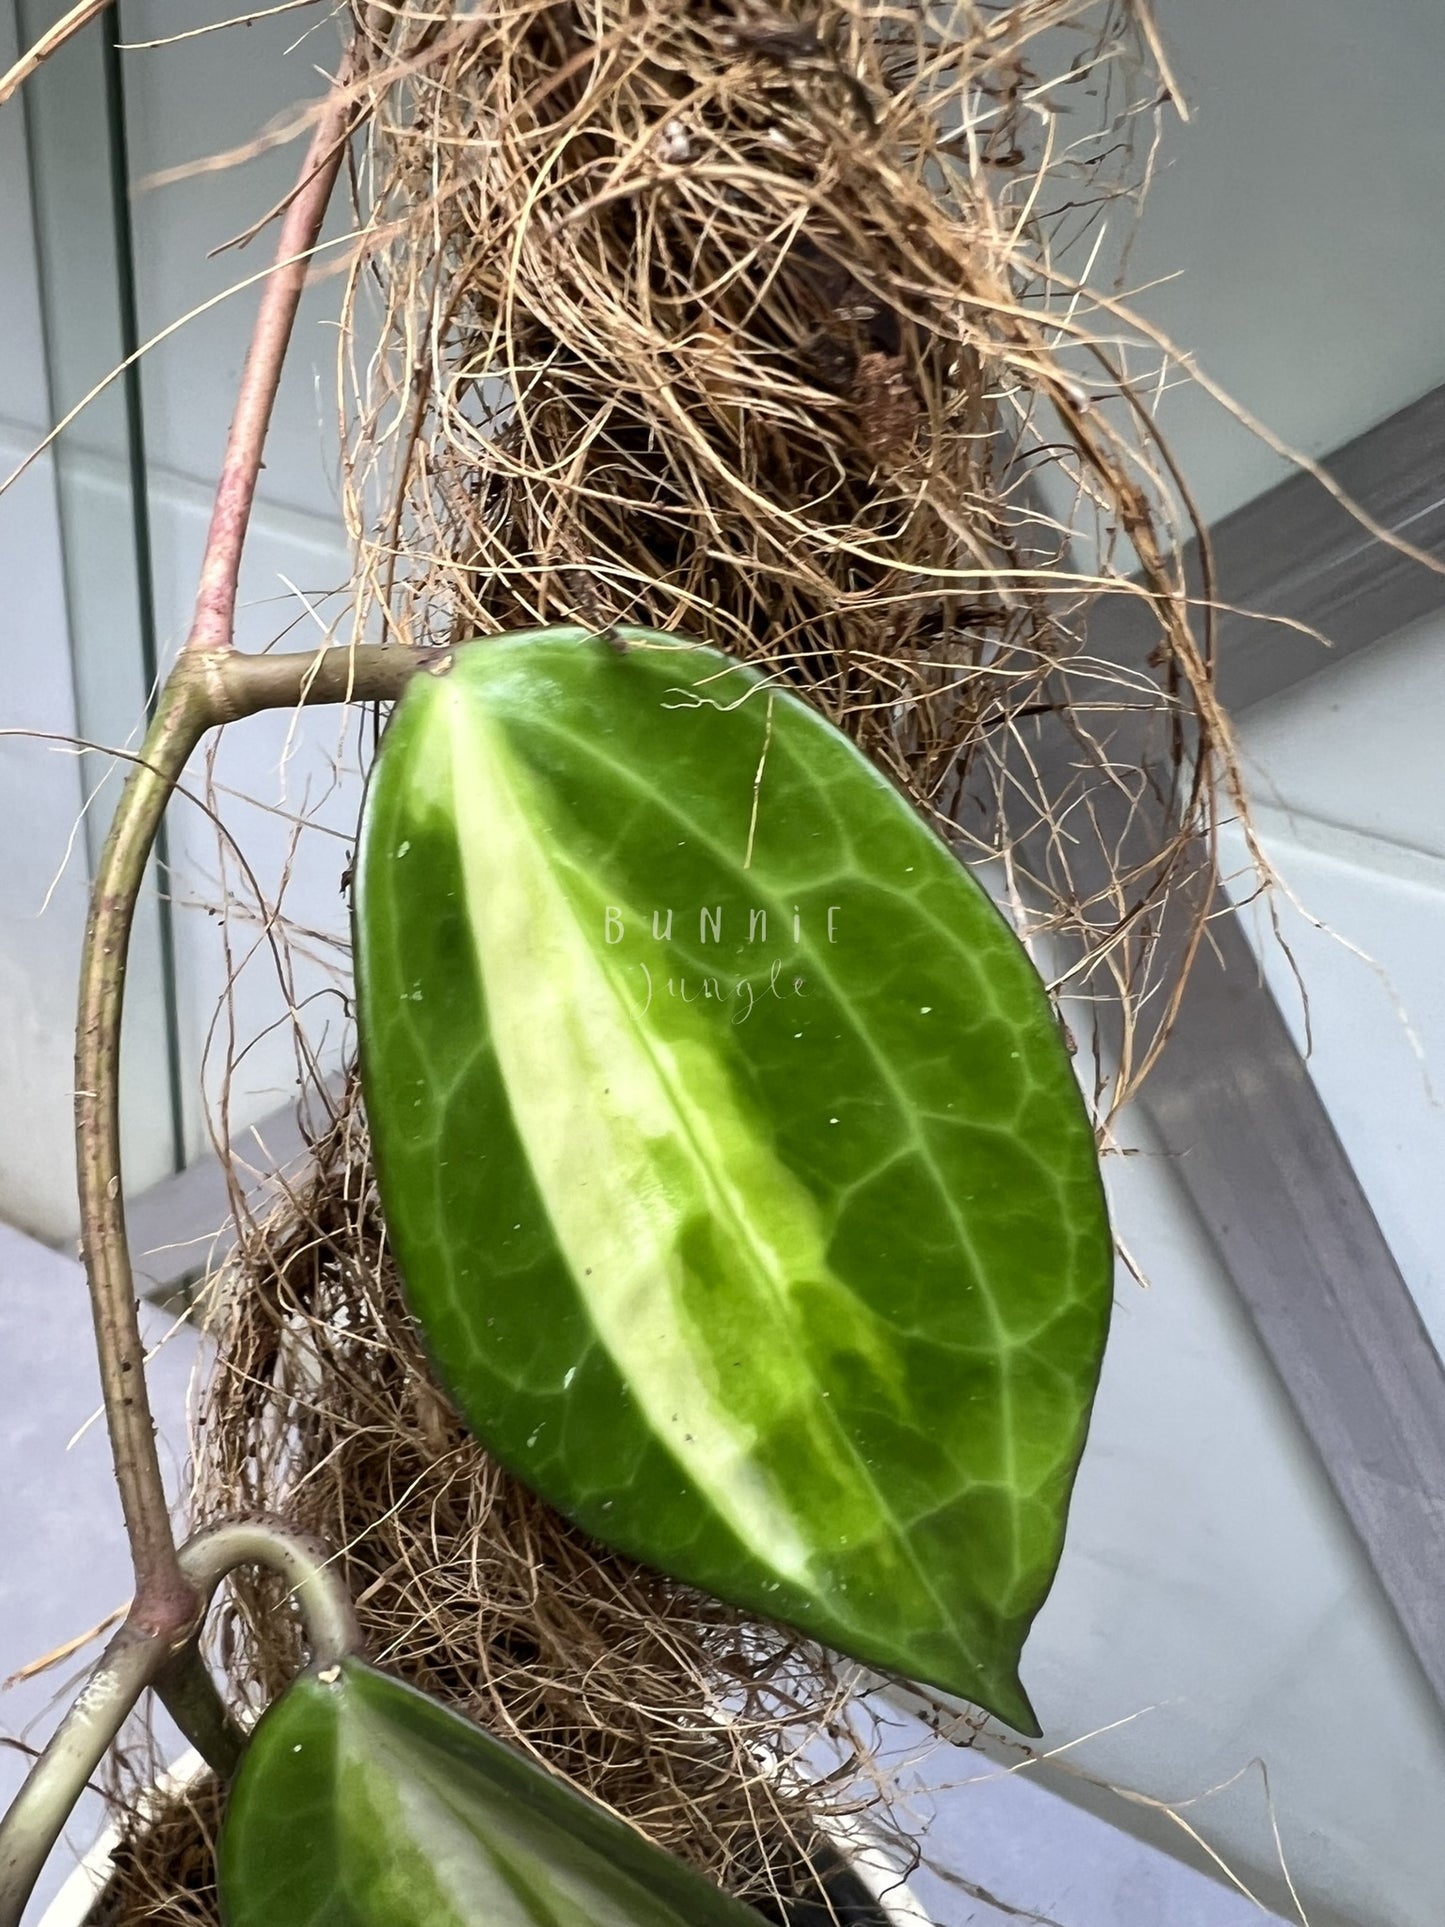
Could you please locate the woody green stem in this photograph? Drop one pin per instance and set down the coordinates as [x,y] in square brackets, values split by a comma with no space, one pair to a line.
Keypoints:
[205,688]
[136,1659]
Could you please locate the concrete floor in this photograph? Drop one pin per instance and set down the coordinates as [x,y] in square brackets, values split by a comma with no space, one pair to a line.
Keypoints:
[64,1566]
[1001,1850]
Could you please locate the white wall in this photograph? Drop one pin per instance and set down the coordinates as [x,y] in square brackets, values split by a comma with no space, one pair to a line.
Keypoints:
[40,790]
[1300,219]
[1347,787]
[184,104]
[1208,1562]
[1214,1610]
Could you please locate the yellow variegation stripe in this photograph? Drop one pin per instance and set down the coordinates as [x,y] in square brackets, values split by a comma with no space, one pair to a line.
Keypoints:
[632,1139]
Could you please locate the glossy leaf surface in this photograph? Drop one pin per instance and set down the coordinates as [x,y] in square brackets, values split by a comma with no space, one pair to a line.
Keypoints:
[731,1152]
[361,1803]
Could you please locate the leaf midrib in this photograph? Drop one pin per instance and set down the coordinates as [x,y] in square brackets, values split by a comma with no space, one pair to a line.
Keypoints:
[1003,1347]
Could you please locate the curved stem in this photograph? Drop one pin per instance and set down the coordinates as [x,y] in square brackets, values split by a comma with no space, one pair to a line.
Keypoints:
[324,1603]
[203,689]
[165,1607]
[34,1823]
[163,1601]
[136,1659]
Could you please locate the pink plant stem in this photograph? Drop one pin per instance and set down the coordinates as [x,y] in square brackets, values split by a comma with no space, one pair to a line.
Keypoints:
[213,626]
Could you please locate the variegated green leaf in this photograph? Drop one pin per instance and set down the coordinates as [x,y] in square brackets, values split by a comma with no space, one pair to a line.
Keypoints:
[361,1803]
[730,1148]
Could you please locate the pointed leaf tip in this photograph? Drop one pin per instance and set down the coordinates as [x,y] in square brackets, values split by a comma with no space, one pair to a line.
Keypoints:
[730,1149]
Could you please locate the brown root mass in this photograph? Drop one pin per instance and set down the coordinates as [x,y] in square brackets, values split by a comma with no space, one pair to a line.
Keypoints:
[765,324]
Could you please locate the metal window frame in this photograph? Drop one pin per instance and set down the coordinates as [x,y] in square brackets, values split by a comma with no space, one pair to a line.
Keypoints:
[1231,1098]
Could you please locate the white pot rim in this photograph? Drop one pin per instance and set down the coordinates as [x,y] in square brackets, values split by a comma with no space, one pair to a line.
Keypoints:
[73,1905]
[865,1854]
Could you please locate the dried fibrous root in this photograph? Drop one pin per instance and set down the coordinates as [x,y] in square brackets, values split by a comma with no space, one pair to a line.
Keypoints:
[775,325]
[780,326]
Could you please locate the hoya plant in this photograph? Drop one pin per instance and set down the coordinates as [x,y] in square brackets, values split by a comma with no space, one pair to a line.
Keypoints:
[735,1165]
[742,1190]
[743,1194]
